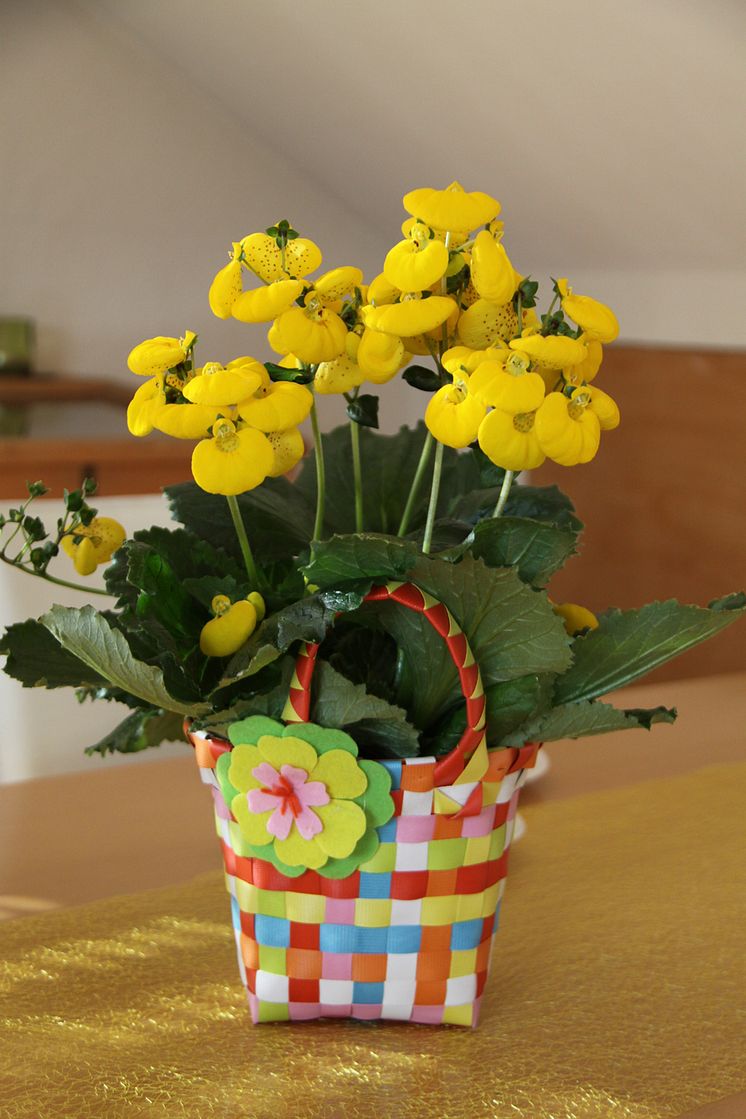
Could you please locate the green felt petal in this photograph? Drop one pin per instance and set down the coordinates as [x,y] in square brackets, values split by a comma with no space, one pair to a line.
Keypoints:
[364,851]
[250,730]
[221,771]
[376,800]
[322,738]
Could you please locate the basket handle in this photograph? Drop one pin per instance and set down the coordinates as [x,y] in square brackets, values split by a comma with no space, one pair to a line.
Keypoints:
[451,768]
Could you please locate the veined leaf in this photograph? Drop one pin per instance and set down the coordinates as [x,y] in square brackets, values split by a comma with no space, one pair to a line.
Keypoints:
[88,636]
[38,660]
[139,731]
[378,727]
[630,643]
[344,559]
[509,705]
[536,548]
[579,720]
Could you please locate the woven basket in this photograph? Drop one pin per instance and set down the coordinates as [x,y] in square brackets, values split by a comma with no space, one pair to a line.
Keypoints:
[408,936]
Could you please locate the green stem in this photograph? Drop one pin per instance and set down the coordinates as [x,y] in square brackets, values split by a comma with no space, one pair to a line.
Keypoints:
[434,492]
[320,474]
[519,314]
[504,491]
[414,489]
[243,540]
[53,579]
[358,475]
[552,305]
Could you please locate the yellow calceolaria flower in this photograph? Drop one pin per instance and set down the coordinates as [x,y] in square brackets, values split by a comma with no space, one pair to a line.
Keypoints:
[263,256]
[464,359]
[508,386]
[492,274]
[556,351]
[601,404]
[585,370]
[266,303]
[91,545]
[484,323]
[312,332]
[341,374]
[234,623]
[456,237]
[577,619]
[453,416]
[380,356]
[289,449]
[148,398]
[595,319]
[158,355]
[333,286]
[276,405]
[417,262]
[511,441]
[381,292]
[186,421]
[451,208]
[411,316]
[567,429]
[235,460]
[220,385]
[227,285]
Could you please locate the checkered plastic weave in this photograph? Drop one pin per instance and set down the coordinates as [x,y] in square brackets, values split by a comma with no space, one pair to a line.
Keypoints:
[408,936]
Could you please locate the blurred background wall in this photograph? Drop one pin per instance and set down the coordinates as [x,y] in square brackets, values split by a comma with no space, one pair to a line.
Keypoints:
[138,139]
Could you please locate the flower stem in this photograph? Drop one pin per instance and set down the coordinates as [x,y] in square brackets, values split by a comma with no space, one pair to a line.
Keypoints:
[414,490]
[434,492]
[53,579]
[320,474]
[504,491]
[357,472]
[243,540]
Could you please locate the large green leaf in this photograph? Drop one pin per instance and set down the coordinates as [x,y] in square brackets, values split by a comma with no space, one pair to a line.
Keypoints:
[305,620]
[579,720]
[512,629]
[630,643]
[345,559]
[88,636]
[139,731]
[38,660]
[536,548]
[540,503]
[509,705]
[378,727]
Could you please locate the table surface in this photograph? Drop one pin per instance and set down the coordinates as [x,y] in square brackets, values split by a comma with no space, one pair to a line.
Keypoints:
[86,836]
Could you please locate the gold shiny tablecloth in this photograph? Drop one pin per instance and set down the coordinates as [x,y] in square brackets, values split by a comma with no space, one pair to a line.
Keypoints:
[613,995]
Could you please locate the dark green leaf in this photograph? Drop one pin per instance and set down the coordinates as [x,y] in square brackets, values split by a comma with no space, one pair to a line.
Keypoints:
[579,720]
[139,731]
[630,643]
[306,620]
[279,373]
[38,660]
[360,556]
[420,377]
[508,706]
[379,728]
[536,548]
[363,410]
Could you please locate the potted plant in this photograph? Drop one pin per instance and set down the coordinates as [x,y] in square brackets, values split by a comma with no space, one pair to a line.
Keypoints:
[365,657]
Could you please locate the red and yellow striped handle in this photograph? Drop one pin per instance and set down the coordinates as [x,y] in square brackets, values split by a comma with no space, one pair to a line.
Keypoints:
[468,760]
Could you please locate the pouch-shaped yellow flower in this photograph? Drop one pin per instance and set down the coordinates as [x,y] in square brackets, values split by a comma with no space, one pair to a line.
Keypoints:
[568,431]
[492,273]
[264,257]
[234,461]
[602,405]
[456,238]
[233,624]
[288,447]
[464,359]
[553,352]
[380,291]
[576,618]
[410,317]
[452,207]
[596,319]
[186,421]
[158,355]
[342,374]
[586,369]
[510,441]
[266,303]
[313,333]
[227,286]
[500,387]
[417,262]
[380,356]
[333,286]
[220,385]
[148,398]
[93,544]
[453,416]
[485,323]
[276,406]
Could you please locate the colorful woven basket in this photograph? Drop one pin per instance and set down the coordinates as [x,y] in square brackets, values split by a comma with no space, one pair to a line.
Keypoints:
[408,935]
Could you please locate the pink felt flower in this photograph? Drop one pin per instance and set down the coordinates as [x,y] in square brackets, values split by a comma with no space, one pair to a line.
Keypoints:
[289,795]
